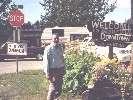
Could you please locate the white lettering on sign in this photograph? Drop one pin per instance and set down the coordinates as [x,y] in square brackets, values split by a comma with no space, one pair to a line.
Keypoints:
[17,49]
[112,44]
[111,31]
[110,25]
[110,37]
[111,28]
[16,18]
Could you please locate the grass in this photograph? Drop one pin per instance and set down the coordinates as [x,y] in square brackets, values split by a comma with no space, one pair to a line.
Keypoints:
[27,85]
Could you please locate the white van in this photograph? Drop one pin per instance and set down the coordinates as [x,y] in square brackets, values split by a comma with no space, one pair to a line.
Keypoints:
[122,54]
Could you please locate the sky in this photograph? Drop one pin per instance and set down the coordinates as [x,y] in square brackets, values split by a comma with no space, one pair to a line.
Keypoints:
[32,10]
[121,13]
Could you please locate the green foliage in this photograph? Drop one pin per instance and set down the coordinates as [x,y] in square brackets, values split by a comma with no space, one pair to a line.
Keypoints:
[74,12]
[5,27]
[78,65]
[4,10]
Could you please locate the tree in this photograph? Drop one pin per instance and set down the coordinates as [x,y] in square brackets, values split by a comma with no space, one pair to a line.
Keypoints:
[4,10]
[74,12]
[27,25]
[5,27]
[36,24]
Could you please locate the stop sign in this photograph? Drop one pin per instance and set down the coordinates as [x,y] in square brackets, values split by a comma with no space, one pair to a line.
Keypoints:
[16,18]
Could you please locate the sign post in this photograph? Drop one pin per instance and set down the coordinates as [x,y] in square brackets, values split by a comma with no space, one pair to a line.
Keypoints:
[16,19]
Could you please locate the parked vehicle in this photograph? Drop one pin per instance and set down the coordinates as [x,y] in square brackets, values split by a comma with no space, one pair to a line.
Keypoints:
[122,54]
[32,52]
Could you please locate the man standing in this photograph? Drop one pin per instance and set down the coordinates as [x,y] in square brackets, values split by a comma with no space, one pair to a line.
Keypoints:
[54,67]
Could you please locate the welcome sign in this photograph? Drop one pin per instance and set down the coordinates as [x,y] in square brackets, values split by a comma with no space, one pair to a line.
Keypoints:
[111,32]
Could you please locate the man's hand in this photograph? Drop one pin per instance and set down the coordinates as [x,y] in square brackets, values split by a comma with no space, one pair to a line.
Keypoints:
[49,77]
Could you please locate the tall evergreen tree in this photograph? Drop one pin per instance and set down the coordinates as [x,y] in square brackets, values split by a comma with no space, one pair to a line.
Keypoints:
[27,25]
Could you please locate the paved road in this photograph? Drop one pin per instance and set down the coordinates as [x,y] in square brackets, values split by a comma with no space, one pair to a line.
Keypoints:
[10,66]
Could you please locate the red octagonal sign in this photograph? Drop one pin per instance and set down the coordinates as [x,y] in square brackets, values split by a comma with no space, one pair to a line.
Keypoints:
[16,18]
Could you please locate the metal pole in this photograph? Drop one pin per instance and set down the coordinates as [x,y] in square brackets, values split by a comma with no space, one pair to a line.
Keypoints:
[16,41]
[18,34]
[14,34]
[16,64]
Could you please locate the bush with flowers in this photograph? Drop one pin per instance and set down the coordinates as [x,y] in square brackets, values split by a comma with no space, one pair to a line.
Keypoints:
[113,71]
[105,69]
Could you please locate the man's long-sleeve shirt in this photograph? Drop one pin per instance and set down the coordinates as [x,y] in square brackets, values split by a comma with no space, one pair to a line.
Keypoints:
[53,58]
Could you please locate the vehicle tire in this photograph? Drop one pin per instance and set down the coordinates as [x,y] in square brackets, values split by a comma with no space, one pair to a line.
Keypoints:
[39,56]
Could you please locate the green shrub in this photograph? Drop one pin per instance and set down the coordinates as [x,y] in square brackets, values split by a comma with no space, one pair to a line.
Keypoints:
[78,65]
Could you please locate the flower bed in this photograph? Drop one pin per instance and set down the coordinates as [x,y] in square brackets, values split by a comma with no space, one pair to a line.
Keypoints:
[109,72]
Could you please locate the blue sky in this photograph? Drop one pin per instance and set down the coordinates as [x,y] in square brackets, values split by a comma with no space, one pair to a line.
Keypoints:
[33,10]
[121,13]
